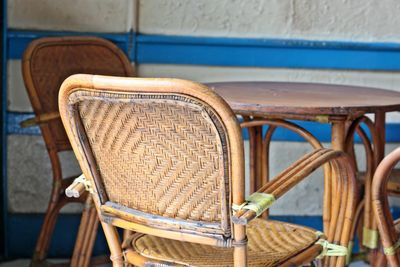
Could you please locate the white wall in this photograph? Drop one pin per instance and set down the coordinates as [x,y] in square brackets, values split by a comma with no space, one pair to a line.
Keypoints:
[367,20]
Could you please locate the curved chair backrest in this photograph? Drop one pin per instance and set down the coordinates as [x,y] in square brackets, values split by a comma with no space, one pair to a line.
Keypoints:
[47,62]
[386,224]
[162,155]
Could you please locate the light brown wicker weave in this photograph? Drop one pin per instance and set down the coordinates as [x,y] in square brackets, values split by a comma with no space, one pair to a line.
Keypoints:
[46,64]
[164,158]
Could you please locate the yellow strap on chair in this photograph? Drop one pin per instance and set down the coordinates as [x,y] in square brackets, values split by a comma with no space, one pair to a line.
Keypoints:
[330,250]
[350,249]
[370,238]
[390,251]
[257,202]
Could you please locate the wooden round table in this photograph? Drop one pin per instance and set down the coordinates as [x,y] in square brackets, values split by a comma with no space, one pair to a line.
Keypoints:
[305,100]
[335,104]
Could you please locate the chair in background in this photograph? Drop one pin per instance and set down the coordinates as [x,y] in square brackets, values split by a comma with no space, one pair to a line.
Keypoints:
[46,63]
[164,158]
[389,229]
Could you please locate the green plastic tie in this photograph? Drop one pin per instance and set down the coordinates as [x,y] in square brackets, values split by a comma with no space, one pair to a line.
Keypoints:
[390,251]
[257,202]
[331,250]
[370,238]
[350,249]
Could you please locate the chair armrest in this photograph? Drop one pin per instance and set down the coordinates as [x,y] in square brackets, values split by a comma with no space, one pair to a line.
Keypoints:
[293,175]
[39,119]
[380,205]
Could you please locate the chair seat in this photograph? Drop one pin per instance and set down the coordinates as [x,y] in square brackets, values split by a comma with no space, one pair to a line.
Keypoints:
[270,243]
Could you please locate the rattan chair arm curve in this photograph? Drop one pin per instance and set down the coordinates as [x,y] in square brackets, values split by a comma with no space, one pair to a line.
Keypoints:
[380,205]
[296,173]
[39,119]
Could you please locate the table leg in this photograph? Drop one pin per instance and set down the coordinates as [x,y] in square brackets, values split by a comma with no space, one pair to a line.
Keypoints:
[380,121]
[255,140]
[338,136]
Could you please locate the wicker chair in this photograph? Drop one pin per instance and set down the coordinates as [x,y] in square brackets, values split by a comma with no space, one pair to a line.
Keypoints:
[389,229]
[46,63]
[164,158]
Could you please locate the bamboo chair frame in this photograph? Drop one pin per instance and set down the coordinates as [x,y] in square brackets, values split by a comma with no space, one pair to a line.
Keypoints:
[386,225]
[315,144]
[112,216]
[364,213]
[57,58]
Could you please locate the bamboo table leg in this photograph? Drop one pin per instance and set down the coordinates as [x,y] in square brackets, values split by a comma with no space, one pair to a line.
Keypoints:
[380,120]
[338,136]
[256,140]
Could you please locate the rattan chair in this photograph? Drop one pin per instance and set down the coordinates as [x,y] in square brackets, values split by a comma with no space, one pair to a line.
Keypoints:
[389,229]
[164,158]
[46,64]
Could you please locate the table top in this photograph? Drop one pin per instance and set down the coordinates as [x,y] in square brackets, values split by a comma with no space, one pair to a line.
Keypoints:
[304,99]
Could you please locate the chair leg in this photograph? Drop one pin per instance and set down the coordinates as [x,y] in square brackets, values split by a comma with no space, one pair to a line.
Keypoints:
[379,259]
[43,243]
[86,235]
[240,256]
[240,251]
[117,257]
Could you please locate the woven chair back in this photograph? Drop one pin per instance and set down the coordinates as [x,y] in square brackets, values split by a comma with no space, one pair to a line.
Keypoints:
[155,149]
[47,62]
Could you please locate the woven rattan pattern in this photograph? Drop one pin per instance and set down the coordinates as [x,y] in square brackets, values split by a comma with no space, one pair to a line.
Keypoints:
[270,243]
[160,154]
[52,64]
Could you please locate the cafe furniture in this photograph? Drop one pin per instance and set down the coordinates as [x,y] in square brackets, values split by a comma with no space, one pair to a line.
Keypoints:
[164,158]
[277,104]
[45,65]
[389,229]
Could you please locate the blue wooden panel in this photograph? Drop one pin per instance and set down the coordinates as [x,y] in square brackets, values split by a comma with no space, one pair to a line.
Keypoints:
[321,131]
[163,49]
[24,228]
[3,180]
[18,41]
[159,49]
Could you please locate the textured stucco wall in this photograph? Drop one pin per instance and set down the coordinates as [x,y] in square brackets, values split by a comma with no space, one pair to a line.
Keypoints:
[72,15]
[368,20]
[28,166]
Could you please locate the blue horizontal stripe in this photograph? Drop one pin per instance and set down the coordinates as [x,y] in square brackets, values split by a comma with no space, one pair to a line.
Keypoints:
[18,41]
[159,49]
[321,131]
[265,42]
[244,52]
[13,121]
[24,229]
